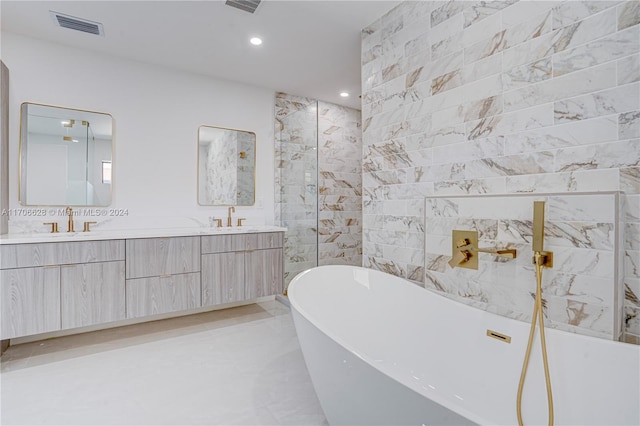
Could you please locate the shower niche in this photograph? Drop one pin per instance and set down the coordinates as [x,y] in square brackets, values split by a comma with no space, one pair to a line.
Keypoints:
[584,290]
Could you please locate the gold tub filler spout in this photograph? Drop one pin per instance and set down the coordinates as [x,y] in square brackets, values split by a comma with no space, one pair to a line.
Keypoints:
[465,247]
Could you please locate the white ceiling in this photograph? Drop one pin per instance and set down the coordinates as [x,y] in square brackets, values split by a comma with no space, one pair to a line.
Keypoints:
[311,48]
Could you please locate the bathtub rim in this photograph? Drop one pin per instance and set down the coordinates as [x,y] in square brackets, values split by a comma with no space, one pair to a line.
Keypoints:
[449,404]
[474,417]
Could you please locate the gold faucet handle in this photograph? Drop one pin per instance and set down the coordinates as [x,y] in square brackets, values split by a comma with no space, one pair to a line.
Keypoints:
[462,242]
[459,258]
[87,226]
[240,219]
[218,222]
[54,226]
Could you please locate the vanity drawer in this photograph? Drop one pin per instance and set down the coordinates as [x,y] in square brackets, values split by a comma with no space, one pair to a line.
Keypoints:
[63,253]
[161,295]
[148,257]
[241,242]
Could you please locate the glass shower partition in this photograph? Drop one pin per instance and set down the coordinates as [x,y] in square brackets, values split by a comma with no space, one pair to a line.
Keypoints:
[297,181]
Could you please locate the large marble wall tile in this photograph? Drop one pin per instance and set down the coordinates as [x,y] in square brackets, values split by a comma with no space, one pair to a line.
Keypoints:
[578,133]
[524,10]
[509,123]
[630,180]
[629,69]
[568,12]
[628,14]
[591,28]
[618,45]
[578,181]
[490,98]
[527,74]
[629,125]
[446,11]
[469,150]
[601,156]
[578,83]
[481,10]
[530,51]
[611,101]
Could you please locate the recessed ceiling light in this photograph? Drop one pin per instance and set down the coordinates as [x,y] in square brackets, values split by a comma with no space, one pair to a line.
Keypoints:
[256,41]
[344,94]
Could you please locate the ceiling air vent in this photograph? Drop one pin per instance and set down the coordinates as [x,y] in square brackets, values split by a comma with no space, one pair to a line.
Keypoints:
[246,5]
[78,24]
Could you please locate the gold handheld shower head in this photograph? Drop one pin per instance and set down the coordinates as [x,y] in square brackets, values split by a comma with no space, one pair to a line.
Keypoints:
[538,226]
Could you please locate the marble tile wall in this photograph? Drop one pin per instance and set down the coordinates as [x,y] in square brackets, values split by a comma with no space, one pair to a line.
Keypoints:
[340,185]
[296,181]
[318,183]
[583,292]
[475,97]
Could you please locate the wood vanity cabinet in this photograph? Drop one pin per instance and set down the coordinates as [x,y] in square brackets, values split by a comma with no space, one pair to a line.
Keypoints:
[163,275]
[30,301]
[52,286]
[92,293]
[241,267]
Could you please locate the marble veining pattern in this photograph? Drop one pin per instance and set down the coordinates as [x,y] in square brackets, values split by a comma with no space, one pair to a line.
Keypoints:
[505,97]
[318,182]
[580,230]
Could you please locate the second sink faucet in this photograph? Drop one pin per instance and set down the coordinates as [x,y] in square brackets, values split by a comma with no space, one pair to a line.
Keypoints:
[70,213]
[231,210]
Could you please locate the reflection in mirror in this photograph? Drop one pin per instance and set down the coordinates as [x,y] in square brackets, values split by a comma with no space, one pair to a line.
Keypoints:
[226,167]
[65,156]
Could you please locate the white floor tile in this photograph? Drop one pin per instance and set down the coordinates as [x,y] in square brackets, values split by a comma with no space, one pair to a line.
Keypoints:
[240,366]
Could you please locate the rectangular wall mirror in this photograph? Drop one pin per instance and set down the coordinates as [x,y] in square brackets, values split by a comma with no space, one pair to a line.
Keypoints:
[65,156]
[226,167]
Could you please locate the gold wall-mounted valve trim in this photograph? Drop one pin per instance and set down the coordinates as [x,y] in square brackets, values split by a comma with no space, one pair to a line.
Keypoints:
[465,243]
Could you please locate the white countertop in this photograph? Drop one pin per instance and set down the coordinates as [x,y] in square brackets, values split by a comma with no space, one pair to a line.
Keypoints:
[132,233]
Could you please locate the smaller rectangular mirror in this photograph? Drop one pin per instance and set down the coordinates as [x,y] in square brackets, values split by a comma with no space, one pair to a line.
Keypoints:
[226,167]
[65,156]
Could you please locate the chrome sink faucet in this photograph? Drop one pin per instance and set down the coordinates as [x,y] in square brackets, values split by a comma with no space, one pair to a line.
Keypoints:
[231,210]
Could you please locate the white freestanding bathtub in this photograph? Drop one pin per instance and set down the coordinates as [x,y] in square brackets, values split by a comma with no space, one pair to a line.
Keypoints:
[381,350]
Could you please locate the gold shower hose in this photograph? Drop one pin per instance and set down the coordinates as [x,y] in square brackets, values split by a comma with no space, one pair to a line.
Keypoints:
[537,314]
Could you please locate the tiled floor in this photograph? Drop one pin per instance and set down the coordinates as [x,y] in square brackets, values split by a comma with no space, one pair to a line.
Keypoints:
[240,366]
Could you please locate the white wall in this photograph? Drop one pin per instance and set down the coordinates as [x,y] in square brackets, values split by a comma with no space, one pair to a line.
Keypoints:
[157,112]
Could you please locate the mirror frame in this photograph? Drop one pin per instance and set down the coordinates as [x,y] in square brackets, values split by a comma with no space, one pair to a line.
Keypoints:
[255,148]
[20,155]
